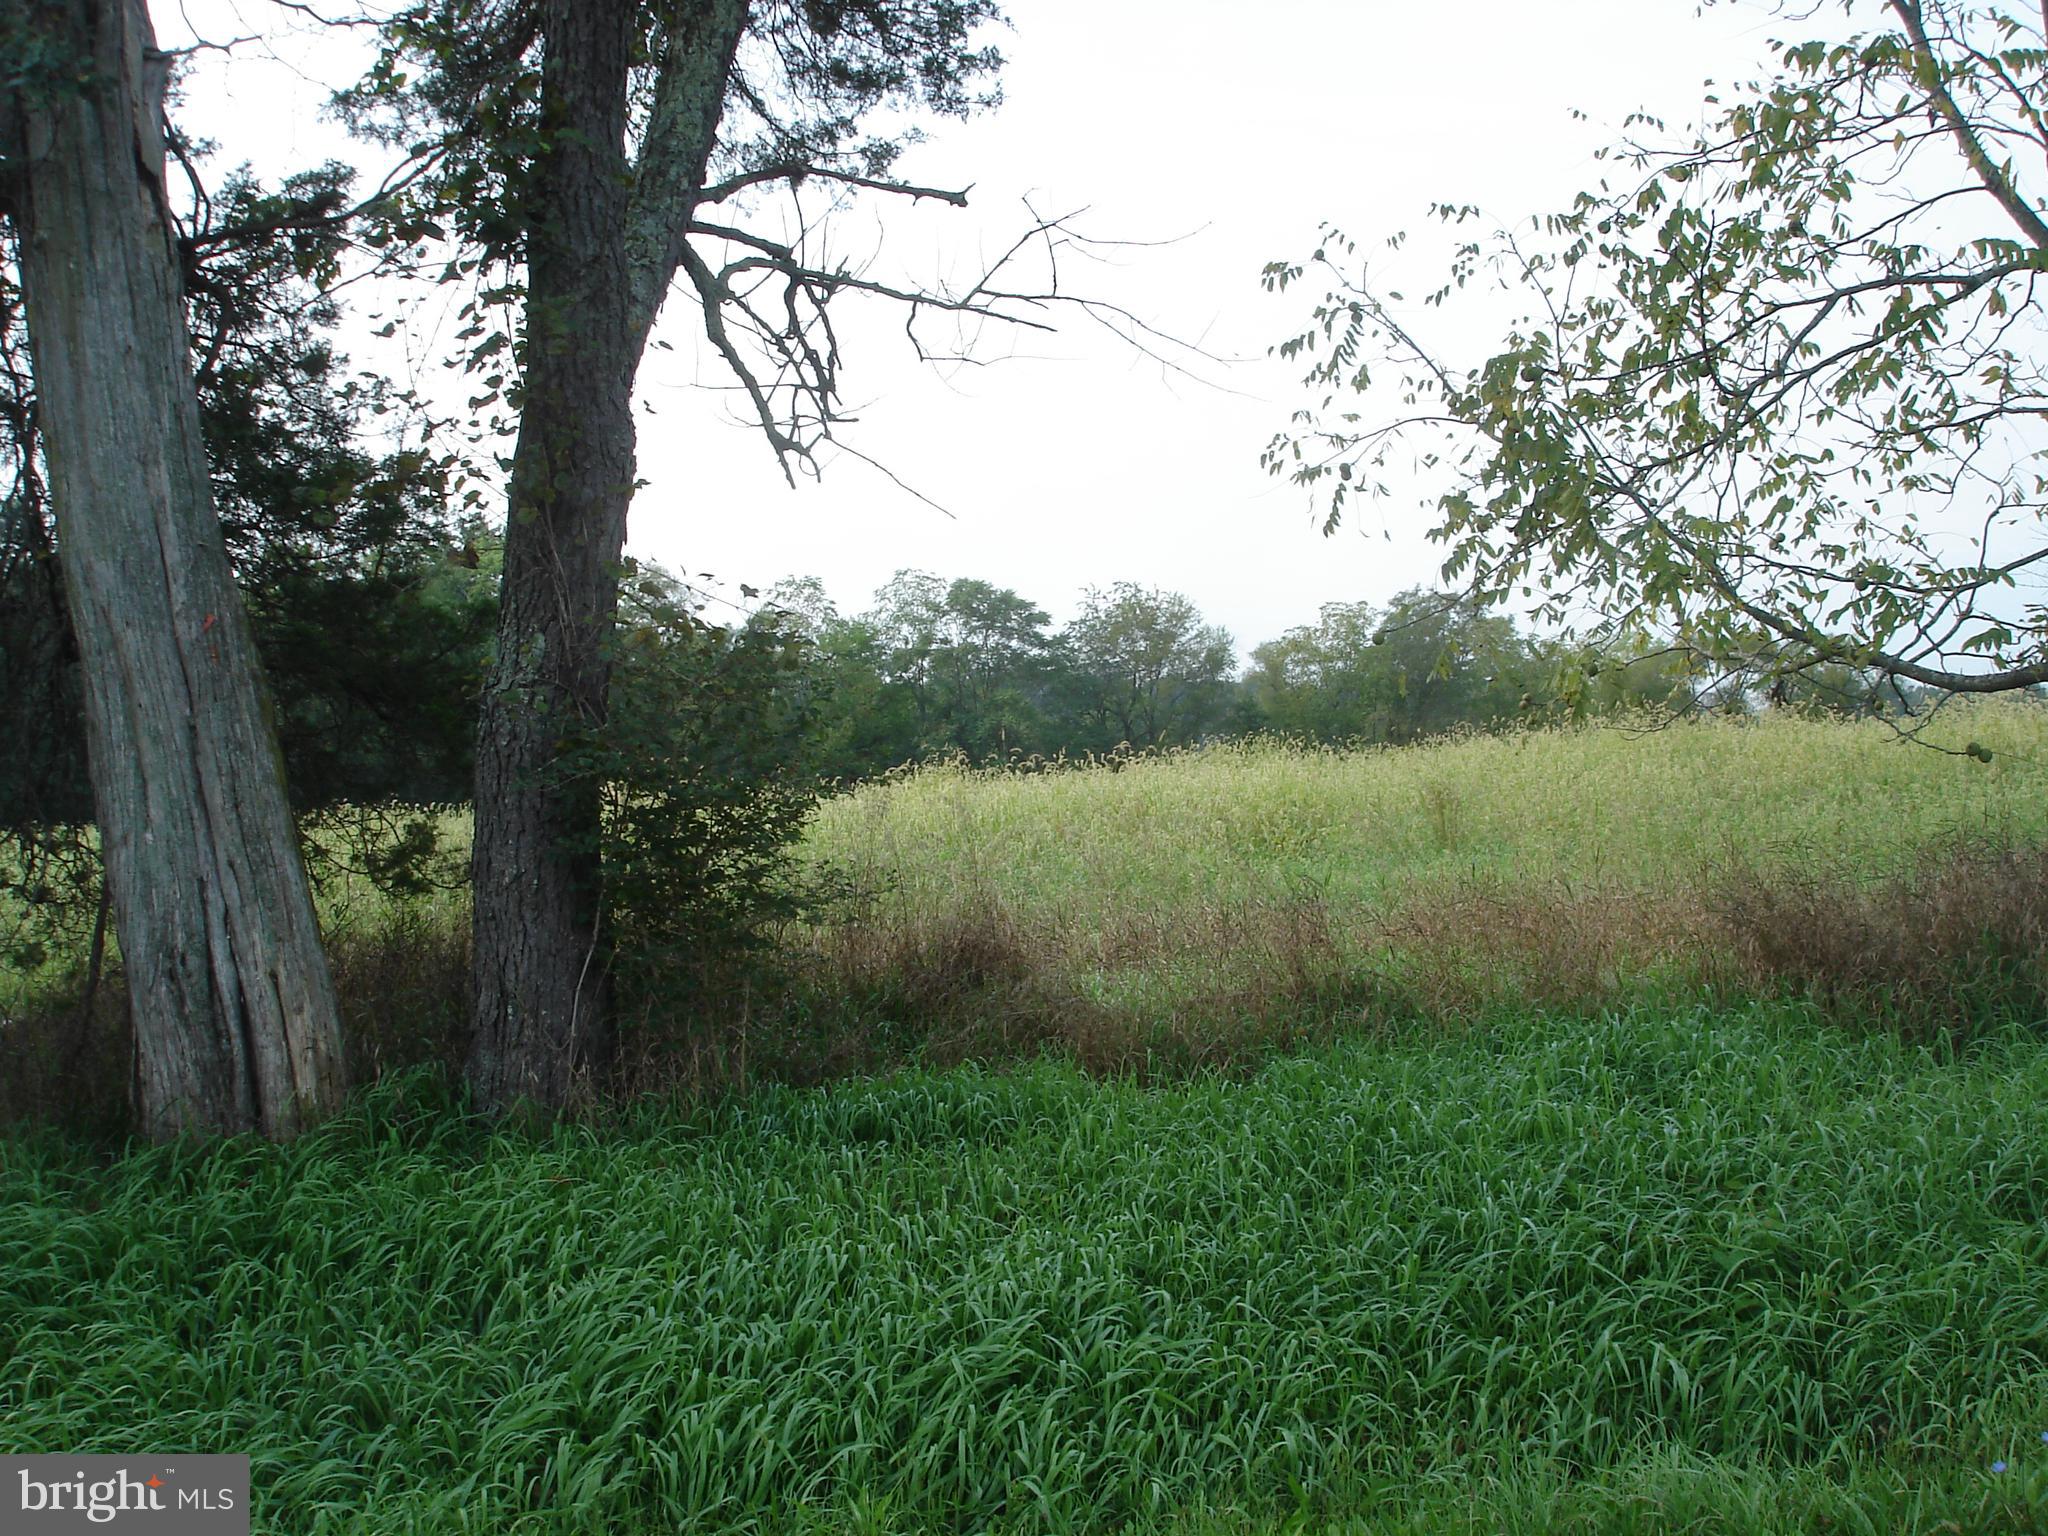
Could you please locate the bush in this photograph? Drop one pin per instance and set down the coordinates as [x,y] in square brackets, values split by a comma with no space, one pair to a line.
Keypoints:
[706,787]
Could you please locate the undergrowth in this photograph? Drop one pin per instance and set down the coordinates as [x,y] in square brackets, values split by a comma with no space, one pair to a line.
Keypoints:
[1629,1274]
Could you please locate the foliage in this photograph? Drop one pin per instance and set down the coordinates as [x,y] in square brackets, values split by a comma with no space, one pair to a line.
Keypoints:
[1776,390]
[972,661]
[372,630]
[1688,1255]
[1425,665]
[934,669]
[465,75]
[363,591]
[706,791]
[1146,671]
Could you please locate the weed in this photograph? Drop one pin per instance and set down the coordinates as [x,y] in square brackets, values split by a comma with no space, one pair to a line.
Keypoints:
[1717,1268]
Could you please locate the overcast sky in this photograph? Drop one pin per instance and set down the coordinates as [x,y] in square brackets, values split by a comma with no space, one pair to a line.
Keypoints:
[1072,460]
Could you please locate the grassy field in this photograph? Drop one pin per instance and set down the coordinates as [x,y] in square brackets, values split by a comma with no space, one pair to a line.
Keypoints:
[1260,821]
[1188,908]
[1737,1266]
[1578,1131]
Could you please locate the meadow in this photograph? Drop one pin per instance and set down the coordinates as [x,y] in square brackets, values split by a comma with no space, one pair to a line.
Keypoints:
[1602,1131]
[1198,908]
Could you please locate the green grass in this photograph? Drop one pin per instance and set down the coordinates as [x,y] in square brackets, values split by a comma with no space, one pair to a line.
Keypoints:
[1638,807]
[1730,1272]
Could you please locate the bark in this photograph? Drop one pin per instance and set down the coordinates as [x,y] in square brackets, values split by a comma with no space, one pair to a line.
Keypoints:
[603,243]
[234,1014]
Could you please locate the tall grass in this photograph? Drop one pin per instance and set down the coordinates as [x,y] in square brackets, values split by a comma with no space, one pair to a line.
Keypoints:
[1588,804]
[1199,903]
[1678,1258]
[1162,914]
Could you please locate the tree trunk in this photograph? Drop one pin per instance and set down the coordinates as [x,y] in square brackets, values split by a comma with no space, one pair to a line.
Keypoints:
[540,944]
[234,1014]
[602,245]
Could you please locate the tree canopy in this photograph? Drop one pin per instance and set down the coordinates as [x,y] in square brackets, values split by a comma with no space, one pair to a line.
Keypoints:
[1778,388]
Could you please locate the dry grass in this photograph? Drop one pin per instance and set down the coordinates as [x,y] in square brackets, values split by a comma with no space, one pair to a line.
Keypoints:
[1959,937]
[1459,947]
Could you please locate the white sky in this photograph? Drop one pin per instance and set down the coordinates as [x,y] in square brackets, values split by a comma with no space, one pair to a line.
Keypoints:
[1077,462]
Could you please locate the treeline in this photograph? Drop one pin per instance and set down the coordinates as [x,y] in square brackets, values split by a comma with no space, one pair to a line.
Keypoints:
[376,633]
[968,669]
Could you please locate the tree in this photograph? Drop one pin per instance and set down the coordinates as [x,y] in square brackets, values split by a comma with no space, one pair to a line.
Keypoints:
[1426,664]
[907,621]
[973,659]
[859,723]
[530,109]
[1779,391]
[1319,680]
[234,1014]
[1147,670]
[990,669]
[367,609]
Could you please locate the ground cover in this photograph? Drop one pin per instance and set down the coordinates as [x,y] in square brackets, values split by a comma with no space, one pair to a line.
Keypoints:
[1742,1267]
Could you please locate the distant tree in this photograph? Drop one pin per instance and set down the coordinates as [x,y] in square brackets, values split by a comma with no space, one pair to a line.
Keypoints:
[991,669]
[1848,692]
[802,606]
[907,623]
[1426,663]
[1321,680]
[860,723]
[1145,669]
[1779,390]
[973,660]
[1454,663]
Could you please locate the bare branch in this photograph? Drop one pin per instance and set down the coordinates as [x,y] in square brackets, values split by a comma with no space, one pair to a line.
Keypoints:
[796,173]
[711,292]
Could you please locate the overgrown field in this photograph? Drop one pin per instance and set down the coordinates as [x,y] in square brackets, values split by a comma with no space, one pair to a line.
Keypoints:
[1738,1270]
[1572,1131]
[1191,908]
[1203,909]
[1263,820]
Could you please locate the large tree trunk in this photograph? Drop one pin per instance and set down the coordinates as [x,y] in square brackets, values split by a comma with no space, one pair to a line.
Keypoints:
[540,953]
[602,244]
[234,1014]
